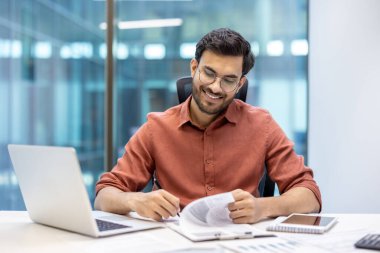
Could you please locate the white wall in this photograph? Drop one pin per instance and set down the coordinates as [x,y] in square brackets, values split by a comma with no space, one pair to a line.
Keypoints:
[344,103]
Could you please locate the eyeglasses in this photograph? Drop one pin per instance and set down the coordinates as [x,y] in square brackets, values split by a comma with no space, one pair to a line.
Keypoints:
[227,84]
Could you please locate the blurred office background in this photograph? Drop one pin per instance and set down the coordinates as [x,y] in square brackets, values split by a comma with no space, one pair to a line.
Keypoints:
[53,71]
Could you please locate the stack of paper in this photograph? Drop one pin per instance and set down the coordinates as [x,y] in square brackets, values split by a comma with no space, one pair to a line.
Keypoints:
[208,219]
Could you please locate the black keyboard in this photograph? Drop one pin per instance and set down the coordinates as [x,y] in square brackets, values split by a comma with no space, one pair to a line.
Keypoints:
[106,225]
[370,241]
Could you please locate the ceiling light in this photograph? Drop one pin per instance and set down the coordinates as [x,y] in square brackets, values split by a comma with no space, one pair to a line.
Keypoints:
[275,48]
[151,23]
[299,47]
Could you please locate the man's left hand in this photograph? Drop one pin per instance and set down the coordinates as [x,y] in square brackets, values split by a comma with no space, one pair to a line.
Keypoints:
[246,208]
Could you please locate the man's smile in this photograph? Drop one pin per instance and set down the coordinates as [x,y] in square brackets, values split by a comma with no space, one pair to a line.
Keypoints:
[211,95]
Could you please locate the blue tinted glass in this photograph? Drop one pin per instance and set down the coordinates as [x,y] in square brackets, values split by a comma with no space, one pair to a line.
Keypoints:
[51,84]
[159,52]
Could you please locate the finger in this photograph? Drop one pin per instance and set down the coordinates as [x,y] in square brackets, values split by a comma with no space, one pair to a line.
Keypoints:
[164,204]
[173,200]
[155,216]
[237,214]
[161,211]
[240,194]
[237,205]
[232,206]
[172,210]
[241,220]
[150,214]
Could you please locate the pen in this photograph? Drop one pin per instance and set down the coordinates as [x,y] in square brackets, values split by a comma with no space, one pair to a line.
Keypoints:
[159,187]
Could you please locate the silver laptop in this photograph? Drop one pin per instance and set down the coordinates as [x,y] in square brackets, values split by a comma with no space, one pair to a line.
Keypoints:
[55,195]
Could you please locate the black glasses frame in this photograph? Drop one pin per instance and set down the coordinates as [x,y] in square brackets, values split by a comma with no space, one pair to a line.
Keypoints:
[220,82]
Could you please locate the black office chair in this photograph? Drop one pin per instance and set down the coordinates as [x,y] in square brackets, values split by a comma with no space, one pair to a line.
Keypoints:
[184,88]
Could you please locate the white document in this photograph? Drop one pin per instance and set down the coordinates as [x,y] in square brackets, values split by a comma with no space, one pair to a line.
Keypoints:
[271,245]
[335,241]
[208,219]
[208,211]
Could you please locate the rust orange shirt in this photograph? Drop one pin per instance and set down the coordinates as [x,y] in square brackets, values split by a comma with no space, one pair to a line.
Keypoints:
[192,163]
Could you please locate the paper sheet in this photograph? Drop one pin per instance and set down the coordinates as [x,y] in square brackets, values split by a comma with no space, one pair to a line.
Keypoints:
[208,219]
[337,242]
[208,211]
[270,245]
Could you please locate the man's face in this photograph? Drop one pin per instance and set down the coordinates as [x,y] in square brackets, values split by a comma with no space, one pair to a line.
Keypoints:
[210,98]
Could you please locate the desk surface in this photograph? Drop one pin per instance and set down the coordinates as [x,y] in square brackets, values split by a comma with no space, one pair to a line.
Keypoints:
[19,234]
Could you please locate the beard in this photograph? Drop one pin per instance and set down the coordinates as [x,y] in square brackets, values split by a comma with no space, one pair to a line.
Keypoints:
[207,107]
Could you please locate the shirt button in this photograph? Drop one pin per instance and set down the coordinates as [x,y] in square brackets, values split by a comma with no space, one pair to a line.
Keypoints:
[209,188]
[208,161]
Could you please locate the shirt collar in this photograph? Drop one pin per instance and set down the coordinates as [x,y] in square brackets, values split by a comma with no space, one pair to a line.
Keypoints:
[185,112]
[230,114]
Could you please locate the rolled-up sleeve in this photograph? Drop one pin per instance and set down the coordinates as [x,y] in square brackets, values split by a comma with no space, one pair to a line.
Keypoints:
[284,166]
[135,168]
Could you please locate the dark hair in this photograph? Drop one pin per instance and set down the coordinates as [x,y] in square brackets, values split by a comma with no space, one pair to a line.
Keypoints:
[225,41]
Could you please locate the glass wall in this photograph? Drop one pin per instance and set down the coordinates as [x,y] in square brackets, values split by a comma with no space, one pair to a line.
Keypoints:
[52,65]
[156,41]
[51,83]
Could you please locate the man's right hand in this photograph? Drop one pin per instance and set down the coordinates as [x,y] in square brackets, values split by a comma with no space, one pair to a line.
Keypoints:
[155,205]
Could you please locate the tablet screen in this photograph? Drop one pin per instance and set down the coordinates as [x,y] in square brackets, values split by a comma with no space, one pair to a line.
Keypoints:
[308,220]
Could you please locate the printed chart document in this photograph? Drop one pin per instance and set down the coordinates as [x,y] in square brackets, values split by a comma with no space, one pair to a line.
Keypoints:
[340,241]
[208,219]
[271,245]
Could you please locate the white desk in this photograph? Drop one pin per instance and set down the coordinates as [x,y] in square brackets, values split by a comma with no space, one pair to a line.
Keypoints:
[19,234]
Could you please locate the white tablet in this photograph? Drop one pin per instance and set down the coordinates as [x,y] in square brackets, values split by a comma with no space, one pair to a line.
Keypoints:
[303,223]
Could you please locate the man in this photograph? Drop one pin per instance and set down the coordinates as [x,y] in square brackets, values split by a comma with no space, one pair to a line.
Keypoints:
[210,144]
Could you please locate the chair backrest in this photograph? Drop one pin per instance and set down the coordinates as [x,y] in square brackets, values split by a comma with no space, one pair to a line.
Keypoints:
[184,88]
[266,186]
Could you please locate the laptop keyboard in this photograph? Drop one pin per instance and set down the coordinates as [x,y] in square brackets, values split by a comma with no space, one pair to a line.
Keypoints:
[106,225]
